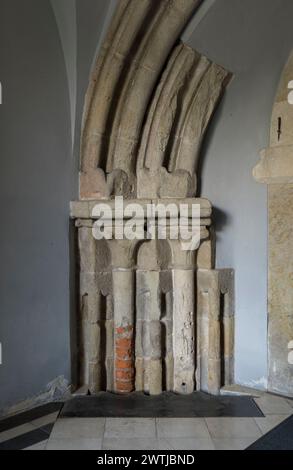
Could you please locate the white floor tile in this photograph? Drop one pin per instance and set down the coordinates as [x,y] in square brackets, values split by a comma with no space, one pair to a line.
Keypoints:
[269,422]
[233,444]
[130,427]
[78,428]
[187,443]
[233,428]
[290,401]
[182,427]
[130,444]
[273,405]
[74,444]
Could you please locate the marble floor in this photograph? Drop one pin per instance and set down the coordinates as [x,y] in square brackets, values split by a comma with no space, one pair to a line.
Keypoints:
[147,433]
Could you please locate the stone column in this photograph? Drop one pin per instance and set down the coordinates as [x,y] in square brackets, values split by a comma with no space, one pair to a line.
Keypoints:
[184,305]
[154,331]
[149,329]
[209,331]
[166,289]
[95,310]
[215,329]
[123,278]
[123,288]
[184,330]
[183,318]
[149,313]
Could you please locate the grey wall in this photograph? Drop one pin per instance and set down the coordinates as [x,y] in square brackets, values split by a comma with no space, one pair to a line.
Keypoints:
[39,172]
[251,38]
[93,17]
[46,52]
[65,13]
[82,25]
[35,190]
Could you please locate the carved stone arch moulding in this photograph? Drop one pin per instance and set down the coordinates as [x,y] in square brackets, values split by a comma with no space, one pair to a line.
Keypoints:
[151,315]
[276,170]
[115,142]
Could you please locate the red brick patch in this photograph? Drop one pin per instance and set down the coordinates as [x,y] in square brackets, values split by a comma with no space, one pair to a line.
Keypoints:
[124,359]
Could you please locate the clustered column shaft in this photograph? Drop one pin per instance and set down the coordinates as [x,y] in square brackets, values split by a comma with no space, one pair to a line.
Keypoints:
[123,289]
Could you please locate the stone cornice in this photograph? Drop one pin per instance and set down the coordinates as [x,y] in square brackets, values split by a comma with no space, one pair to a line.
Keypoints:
[84,209]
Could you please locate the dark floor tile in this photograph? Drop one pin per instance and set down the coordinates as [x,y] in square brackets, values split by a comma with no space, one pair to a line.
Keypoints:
[30,415]
[27,440]
[280,438]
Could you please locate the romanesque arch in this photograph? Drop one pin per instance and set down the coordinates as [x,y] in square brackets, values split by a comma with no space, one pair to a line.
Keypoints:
[148,106]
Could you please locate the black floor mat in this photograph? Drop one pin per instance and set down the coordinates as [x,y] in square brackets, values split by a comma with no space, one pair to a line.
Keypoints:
[169,405]
[280,438]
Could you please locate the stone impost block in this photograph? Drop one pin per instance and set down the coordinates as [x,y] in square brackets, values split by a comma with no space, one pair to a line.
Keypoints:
[83,211]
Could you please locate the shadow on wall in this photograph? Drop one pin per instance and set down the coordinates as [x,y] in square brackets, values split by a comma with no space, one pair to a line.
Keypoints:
[220,218]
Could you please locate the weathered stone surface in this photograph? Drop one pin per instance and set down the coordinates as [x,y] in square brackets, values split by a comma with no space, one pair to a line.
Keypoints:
[276,164]
[139,374]
[276,169]
[124,295]
[163,356]
[142,131]
[206,254]
[184,331]
[135,49]
[155,376]
[280,300]
[82,211]
[177,119]
[148,307]
[215,324]
[87,247]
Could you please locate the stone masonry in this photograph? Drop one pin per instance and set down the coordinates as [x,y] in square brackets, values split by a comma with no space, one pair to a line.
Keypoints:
[152,317]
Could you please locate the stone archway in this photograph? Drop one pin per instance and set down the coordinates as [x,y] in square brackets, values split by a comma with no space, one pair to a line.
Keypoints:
[276,170]
[148,106]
